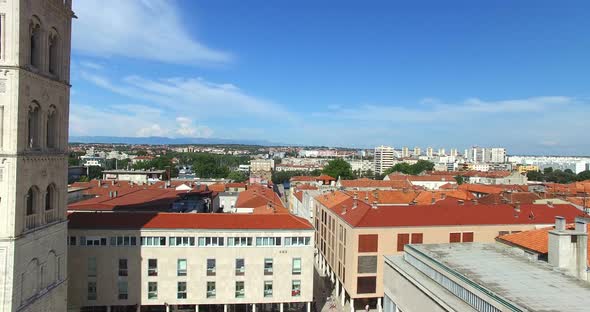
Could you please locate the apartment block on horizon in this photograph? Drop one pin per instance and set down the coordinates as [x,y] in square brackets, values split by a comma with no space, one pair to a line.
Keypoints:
[384,158]
[353,235]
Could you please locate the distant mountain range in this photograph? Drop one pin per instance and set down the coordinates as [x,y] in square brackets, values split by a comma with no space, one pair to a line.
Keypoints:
[165,140]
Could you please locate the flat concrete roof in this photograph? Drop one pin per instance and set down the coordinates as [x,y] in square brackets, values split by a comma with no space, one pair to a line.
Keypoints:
[532,284]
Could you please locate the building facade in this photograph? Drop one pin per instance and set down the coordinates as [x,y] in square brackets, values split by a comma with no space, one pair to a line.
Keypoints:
[160,262]
[34,110]
[384,158]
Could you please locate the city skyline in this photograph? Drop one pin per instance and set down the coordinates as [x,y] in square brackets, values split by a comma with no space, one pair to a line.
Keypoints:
[473,80]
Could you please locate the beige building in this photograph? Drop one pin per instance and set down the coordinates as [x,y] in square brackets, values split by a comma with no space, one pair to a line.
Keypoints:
[189,262]
[352,236]
[34,109]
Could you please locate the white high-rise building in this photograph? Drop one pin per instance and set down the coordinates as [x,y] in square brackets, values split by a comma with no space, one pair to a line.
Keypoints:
[405,152]
[34,110]
[442,152]
[454,152]
[496,155]
[430,152]
[384,158]
[417,151]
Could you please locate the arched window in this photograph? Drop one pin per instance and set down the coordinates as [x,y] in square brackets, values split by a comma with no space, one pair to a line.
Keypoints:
[50,197]
[54,52]
[30,279]
[51,132]
[50,271]
[35,42]
[30,201]
[33,121]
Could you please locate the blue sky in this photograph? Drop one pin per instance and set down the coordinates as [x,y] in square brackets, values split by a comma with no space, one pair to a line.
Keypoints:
[337,73]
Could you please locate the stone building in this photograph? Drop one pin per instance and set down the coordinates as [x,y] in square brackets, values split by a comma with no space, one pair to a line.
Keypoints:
[34,109]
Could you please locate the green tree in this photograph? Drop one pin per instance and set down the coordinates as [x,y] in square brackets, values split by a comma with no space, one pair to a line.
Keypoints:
[460,180]
[535,176]
[315,173]
[583,176]
[94,172]
[338,168]
[237,176]
[415,169]
[548,170]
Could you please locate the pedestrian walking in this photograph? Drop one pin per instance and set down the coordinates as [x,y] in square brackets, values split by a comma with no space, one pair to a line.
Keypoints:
[367,308]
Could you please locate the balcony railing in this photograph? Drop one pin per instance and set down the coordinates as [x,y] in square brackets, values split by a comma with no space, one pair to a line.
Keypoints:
[31,222]
[51,216]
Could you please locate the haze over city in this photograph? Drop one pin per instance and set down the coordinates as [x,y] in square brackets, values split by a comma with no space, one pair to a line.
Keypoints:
[423,73]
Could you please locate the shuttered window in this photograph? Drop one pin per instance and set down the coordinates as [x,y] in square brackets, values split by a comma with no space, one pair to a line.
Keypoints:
[468,237]
[402,239]
[416,238]
[368,243]
[366,285]
[455,237]
[367,264]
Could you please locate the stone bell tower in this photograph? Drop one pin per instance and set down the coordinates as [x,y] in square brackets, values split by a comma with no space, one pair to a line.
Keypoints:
[35,40]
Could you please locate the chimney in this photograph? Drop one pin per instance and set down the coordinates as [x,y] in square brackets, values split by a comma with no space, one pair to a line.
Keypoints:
[343,209]
[461,202]
[374,205]
[98,182]
[474,201]
[433,200]
[354,202]
[550,203]
[517,206]
[113,183]
[443,196]
[568,249]
[355,196]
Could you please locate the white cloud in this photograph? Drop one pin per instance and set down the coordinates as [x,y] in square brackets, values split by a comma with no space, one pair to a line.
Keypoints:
[187,129]
[193,94]
[147,29]
[91,65]
[152,130]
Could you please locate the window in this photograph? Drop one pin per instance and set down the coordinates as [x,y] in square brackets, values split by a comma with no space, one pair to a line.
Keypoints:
[240,291]
[368,243]
[297,241]
[123,290]
[50,197]
[182,241]
[153,241]
[402,240]
[123,240]
[503,233]
[91,290]
[33,126]
[181,290]
[268,266]
[210,267]
[239,241]
[296,288]
[240,267]
[123,270]
[35,42]
[296,269]
[91,267]
[417,238]
[367,264]
[211,290]
[152,290]
[181,267]
[267,289]
[72,241]
[454,237]
[268,241]
[210,241]
[152,267]
[467,237]
[93,241]
[366,285]
[53,52]
[51,131]
[30,199]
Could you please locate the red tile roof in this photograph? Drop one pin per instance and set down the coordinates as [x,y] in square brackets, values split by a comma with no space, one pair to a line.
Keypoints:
[367,183]
[509,197]
[480,188]
[535,240]
[258,197]
[130,221]
[299,196]
[444,212]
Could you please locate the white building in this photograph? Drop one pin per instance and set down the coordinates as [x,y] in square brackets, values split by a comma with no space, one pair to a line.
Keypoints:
[417,151]
[496,155]
[384,156]
[405,152]
[361,165]
[34,112]
[430,152]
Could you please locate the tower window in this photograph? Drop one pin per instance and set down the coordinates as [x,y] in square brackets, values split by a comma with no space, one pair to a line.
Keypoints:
[30,201]
[33,126]
[50,197]
[35,43]
[53,52]
[51,132]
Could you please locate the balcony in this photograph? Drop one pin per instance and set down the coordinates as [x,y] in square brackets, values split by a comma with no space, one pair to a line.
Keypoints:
[31,222]
[240,271]
[211,293]
[51,216]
